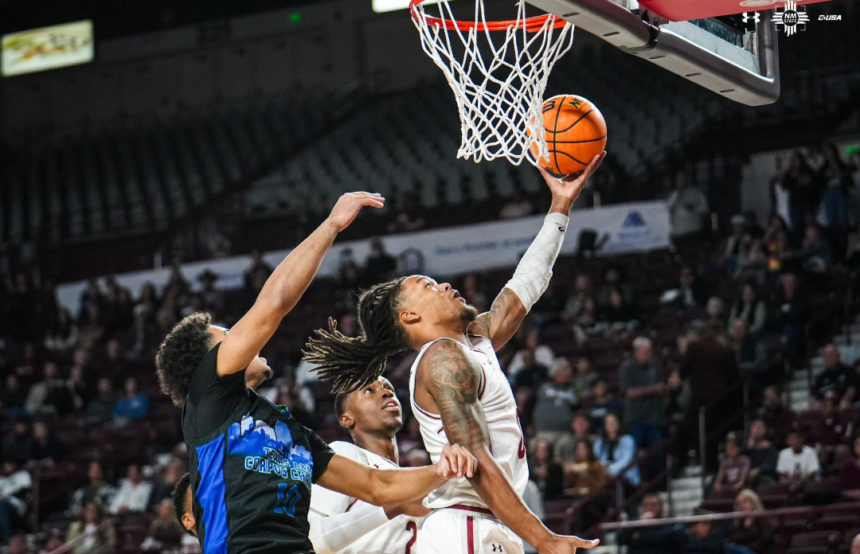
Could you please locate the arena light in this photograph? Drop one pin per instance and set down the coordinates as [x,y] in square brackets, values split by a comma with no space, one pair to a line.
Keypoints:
[47,48]
[382,6]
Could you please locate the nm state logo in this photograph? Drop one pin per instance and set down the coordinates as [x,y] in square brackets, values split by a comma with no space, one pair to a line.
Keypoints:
[634,219]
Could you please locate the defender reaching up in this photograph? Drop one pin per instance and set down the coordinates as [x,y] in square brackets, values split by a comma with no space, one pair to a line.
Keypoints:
[460,394]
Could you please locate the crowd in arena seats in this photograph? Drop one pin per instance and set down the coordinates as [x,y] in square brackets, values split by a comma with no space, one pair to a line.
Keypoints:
[609,372]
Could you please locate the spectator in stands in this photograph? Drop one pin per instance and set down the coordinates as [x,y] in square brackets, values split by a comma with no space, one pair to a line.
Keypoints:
[545,471]
[688,211]
[736,249]
[643,385]
[849,473]
[575,305]
[618,314]
[14,485]
[583,378]
[690,291]
[14,395]
[56,539]
[100,409]
[46,447]
[711,372]
[836,377]
[554,404]
[18,545]
[142,338]
[617,450]
[133,493]
[50,396]
[96,490]
[580,427]
[165,483]
[298,398]
[79,387]
[836,178]
[734,468]
[585,474]
[705,537]
[132,405]
[803,189]
[531,374]
[763,456]
[256,275]
[18,446]
[775,415]
[751,355]
[61,337]
[380,265]
[792,315]
[599,404]
[473,293]
[165,530]
[662,539]
[542,353]
[814,254]
[518,206]
[98,531]
[614,280]
[750,535]
[827,432]
[797,463]
[749,308]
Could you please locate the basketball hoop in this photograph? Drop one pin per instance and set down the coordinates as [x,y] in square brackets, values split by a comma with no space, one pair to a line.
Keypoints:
[500,102]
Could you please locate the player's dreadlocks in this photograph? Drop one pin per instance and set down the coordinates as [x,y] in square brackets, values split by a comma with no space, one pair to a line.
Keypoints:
[352,363]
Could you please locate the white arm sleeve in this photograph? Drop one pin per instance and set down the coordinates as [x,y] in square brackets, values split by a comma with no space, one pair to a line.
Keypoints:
[535,268]
[336,532]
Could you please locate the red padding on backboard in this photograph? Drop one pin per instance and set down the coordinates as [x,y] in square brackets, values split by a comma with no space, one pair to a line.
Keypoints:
[685,10]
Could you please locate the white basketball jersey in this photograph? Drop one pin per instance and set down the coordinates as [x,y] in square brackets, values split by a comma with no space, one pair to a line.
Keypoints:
[505,434]
[398,536]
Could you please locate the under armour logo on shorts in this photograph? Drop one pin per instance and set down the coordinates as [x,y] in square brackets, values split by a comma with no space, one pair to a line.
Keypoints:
[497,548]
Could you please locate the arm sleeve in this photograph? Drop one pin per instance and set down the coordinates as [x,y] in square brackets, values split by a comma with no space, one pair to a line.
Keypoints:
[334,533]
[535,268]
[321,453]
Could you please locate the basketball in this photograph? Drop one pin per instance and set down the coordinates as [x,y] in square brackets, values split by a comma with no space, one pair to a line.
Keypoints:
[575,133]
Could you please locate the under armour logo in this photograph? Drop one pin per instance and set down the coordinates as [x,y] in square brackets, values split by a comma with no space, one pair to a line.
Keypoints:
[497,548]
[755,17]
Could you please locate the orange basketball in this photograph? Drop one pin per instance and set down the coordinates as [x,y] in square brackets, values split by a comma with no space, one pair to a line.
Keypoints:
[575,133]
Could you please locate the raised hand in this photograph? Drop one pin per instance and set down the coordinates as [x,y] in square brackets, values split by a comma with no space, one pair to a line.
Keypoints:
[349,204]
[456,461]
[560,544]
[566,190]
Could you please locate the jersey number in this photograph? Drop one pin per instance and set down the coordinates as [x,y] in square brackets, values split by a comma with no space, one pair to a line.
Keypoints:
[286,503]
[522,453]
[410,526]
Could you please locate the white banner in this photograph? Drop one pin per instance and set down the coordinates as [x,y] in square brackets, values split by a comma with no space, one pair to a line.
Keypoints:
[446,252]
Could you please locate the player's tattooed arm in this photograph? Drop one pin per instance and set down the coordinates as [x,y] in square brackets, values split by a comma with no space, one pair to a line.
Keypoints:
[503,319]
[454,381]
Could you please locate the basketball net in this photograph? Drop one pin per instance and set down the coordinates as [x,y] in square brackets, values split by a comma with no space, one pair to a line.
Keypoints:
[500,98]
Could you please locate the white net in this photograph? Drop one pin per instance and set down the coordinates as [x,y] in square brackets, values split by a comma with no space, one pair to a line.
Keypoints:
[500,92]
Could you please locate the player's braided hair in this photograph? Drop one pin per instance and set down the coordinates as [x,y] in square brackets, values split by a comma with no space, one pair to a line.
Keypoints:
[351,363]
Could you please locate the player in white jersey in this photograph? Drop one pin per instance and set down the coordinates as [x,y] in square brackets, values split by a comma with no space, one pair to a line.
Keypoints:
[459,392]
[342,524]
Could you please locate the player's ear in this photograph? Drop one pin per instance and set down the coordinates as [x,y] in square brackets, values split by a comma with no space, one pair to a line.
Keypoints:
[189,523]
[407,317]
[346,421]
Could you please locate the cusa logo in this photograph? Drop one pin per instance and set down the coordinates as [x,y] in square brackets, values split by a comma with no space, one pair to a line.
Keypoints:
[829,18]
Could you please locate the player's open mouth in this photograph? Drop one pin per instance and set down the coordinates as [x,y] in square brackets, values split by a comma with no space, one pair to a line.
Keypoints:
[391,406]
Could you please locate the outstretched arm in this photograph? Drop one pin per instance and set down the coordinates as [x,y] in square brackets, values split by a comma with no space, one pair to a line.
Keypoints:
[453,380]
[386,487]
[287,284]
[535,268]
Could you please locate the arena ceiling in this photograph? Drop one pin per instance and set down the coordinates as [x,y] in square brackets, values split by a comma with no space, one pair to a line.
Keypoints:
[114,19]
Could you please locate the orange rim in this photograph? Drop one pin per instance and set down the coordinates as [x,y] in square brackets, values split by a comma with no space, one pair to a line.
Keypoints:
[531,24]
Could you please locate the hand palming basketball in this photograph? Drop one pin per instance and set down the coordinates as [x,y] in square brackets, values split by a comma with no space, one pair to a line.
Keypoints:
[575,133]
[566,190]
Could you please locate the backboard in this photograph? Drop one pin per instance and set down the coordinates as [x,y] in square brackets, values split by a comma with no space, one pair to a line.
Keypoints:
[739,64]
